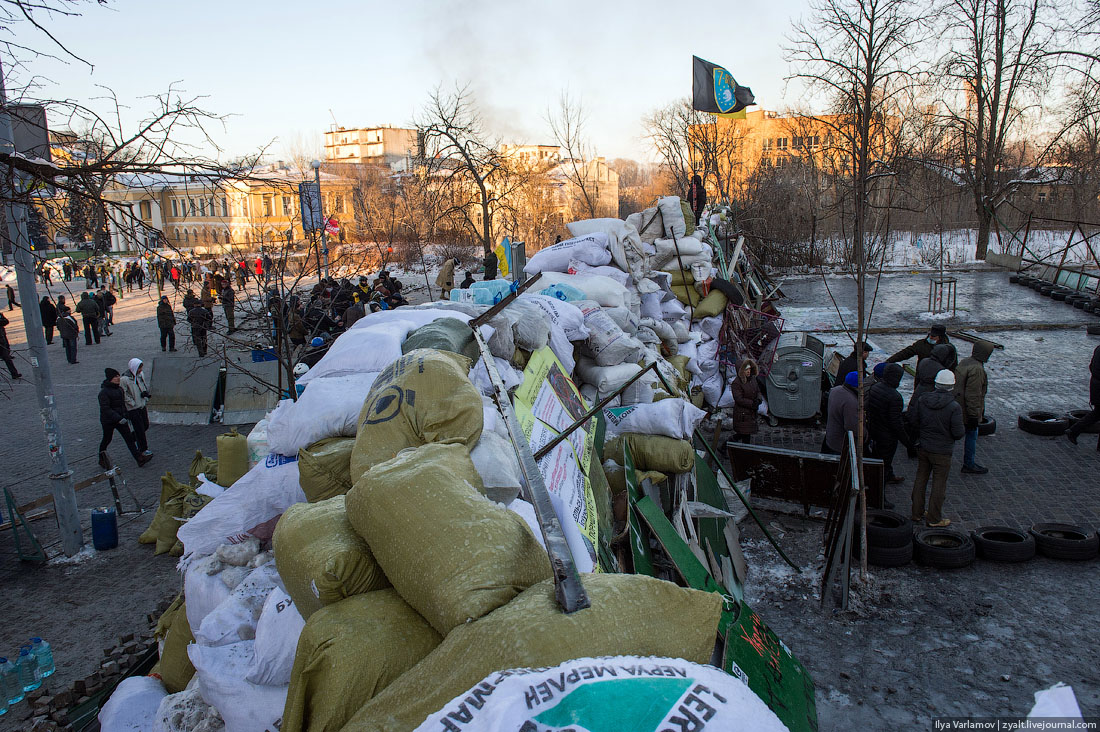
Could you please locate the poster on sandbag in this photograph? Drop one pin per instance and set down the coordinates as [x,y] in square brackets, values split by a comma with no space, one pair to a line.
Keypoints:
[645,694]
[546,403]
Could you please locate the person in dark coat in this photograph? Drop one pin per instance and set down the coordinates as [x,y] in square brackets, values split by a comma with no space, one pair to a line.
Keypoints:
[885,425]
[5,349]
[466,283]
[68,330]
[971,384]
[12,304]
[49,317]
[101,324]
[1094,399]
[201,321]
[843,414]
[922,349]
[697,196]
[228,298]
[89,313]
[112,418]
[939,423]
[166,321]
[490,263]
[850,364]
[925,381]
[746,399]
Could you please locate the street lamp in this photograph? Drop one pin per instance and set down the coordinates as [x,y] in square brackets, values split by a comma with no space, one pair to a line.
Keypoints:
[324,221]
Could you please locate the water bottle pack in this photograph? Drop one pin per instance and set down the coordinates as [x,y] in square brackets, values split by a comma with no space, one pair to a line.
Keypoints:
[25,672]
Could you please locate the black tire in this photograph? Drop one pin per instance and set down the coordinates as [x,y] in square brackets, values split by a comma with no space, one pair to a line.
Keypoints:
[888,529]
[1058,295]
[1036,285]
[1003,544]
[1079,304]
[1014,279]
[1093,328]
[1046,290]
[1065,541]
[987,426]
[892,556]
[1076,414]
[1044,424]
[943,548]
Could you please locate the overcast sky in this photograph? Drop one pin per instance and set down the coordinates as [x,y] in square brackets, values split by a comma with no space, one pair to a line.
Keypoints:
[280,67]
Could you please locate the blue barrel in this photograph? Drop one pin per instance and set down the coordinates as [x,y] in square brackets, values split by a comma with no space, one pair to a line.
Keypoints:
[104,528]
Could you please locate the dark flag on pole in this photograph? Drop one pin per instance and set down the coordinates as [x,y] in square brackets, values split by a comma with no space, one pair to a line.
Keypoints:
[714,90]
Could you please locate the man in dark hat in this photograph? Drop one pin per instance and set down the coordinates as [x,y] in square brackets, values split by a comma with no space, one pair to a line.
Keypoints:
[112,416]
[922,349]
[857,359]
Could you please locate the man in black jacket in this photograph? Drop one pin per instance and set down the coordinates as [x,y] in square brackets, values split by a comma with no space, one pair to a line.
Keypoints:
[112,416]
[885,426]
[853,362]
[1094,398]
[201,321]
[89,313]
[5,349]
[922,349]
[166,321]
[939,425]
[942,356]
[68,330]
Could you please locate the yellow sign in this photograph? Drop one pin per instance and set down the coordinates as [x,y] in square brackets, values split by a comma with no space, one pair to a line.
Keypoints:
[504,253]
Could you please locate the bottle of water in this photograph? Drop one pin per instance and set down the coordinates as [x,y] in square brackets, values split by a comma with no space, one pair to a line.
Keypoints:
[44,654]
[28,670]
[10,688]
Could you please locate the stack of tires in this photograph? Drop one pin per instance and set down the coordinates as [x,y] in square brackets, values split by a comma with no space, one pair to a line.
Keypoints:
[1051,424]
[943,548]
[889,538]
[1081,300]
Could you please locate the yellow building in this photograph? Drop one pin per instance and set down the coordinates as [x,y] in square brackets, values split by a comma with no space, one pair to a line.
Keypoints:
[370,145]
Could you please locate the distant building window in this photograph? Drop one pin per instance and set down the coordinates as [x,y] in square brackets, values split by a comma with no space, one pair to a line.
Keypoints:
[191,206]
[796,142]
[176,212]
[225,208]
[286,205]
[213,211]
[267,204]
[202,207]
[185,238]
[339,204]
[767,144]
[146,210]
[781,143]
[176,233]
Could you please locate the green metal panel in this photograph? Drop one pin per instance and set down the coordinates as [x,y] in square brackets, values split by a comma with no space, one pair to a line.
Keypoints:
[639,537]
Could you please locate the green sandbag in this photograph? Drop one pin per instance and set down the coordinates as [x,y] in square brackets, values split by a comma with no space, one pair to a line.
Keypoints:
[616,479]
[232,457]
[174,667]
[686,294]
[204,465]
[324,468]
[320,558]
[681,277]
[347,653]
[713,304]
[653,452]
[689,217]
[175,512]
[453,554]
[445,334]
[630,615]
[169,488]
[424,396]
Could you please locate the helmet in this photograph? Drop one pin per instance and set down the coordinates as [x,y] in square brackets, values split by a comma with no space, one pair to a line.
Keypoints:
[317,342]
[300,369]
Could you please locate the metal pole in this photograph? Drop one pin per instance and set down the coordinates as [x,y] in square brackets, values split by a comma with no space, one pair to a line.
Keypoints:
[324,223]
[61,484]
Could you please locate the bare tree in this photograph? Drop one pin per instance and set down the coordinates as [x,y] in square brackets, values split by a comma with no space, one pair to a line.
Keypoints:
[567,123]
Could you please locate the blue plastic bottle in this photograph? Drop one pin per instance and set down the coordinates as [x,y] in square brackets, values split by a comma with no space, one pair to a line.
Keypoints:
[44,654]
[10,688]
[28,670]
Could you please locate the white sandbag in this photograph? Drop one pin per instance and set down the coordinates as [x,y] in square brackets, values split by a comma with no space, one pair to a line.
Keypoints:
[492,421]
[203,588]
[624,319]
[501,337]
[531,329]
[329,407]
[563,314]
[187,712]
[664,331]
[647,337]
[233,576]
[675,418]
[590,249]
[683,333]
[688,261]
[277,633]
[361,350]
[604,290]
[259,496]
[709,327]
[418,315]
[133,705]
[495,460]
[580,268]
[479,376]
[591,396]
[607,344]
[606,379]
[639,221]
[238,555]
[673,309]
[526,512]
[515,701]
[562,348]
[666,248]
[672,215]
[208,487]
[651,305]
[628,252]
[235,619]
[640,392]
[245,707]
[257,443]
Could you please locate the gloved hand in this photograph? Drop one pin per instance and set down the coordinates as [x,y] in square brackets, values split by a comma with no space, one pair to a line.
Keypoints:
[144,395]
[971,424]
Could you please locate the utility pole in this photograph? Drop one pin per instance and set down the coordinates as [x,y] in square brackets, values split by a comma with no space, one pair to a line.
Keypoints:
[61,478]
[324,221]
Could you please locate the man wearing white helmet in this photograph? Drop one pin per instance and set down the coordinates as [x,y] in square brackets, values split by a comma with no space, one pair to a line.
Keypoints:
[938,424]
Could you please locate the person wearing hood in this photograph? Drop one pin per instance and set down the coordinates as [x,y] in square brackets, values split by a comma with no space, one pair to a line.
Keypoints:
[971,384]
[49,317]
[136,391]
[166,321]
[745,390]
[466,283]
[941,357]
[854,361]
[1094,399]
[885,426]
[445,280]
[922,349]
[112,417]
[939,424]
[843,414]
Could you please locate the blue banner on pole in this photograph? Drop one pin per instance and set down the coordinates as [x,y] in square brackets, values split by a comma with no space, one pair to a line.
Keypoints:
[309,199]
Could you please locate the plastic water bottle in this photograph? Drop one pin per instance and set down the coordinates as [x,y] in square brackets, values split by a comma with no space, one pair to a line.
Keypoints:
[10,688]
[28,670]
[44,653]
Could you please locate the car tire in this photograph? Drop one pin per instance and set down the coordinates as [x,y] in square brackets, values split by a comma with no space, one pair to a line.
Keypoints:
[1046,290]
[890,556]
[1079,304]
[1003,544]
[1058,295]
[1076,414]
[1065,541]
[943,549]
[1044,424]
[987,426]
[888,529]
[1014,279]
[1036,285]
[1093,328]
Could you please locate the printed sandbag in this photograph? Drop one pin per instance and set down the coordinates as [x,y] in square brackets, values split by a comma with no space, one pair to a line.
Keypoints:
[349,652]
[424,396]
[320,557]
[630,615]
[453,554]
[590,249]
[324,468]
